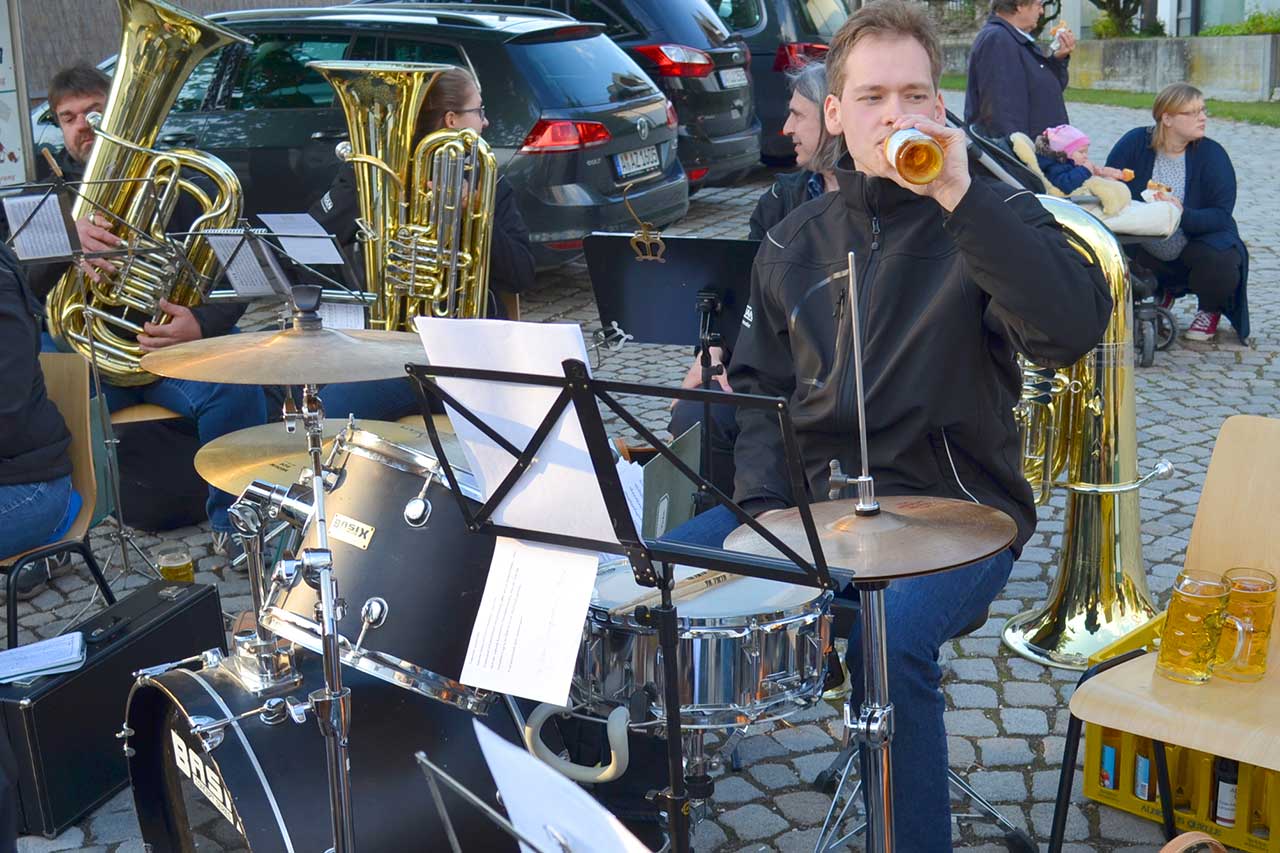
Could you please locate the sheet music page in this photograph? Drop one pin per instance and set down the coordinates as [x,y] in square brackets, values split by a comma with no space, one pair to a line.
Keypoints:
[243,270]
[341,315]
[304,250]
[540,802]
[57,654]
[527,630]
[45,232]
[559,493]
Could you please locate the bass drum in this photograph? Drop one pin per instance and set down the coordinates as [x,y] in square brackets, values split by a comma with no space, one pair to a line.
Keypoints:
[264,788]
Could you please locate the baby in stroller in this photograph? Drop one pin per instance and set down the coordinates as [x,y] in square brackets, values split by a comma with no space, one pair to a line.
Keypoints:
[1063,155]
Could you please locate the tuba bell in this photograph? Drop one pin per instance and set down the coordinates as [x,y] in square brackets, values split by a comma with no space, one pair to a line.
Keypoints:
[137,189]
[1082,420]
[426,210]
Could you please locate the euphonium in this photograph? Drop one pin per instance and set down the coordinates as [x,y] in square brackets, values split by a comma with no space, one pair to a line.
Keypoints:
[135,189]
[426,211]
[1082,420]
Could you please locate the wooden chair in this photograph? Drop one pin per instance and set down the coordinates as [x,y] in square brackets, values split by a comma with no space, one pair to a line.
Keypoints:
[66,379]
[1234,526]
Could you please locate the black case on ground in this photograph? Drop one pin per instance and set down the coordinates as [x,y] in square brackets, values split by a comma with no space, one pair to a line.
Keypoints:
[61,730]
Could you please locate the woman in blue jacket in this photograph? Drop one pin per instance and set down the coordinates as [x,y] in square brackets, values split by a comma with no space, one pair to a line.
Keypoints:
[1205,256]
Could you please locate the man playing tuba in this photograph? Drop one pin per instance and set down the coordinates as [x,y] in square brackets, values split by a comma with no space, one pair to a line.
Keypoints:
[215,409]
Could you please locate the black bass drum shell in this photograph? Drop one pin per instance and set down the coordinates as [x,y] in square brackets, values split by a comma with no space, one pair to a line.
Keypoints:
[265,788]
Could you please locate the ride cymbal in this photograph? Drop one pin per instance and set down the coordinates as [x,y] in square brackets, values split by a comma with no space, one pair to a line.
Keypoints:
[911,535]
[271,454]
[290,357]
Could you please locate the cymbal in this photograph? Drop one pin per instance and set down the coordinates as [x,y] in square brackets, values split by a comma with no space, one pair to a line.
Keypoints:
[290,357]
[911,535]
[273,455]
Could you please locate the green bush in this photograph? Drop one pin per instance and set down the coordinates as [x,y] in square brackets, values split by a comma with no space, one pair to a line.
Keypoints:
[1257,23]
[1106,27]
[1153,29]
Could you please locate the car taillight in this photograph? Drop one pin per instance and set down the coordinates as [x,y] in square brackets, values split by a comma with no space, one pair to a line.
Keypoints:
[564,135]
[676,60]
[697,174]
[673,120]
[792,54]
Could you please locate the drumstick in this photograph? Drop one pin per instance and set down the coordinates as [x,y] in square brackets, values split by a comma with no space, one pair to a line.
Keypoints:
[682,591]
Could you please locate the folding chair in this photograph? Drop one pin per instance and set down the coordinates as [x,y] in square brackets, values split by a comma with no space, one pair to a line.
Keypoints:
[66,378]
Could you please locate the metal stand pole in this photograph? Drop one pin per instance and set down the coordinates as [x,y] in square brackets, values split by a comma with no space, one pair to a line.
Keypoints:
[331,703]
[875,721]
[708,307]
[676,796]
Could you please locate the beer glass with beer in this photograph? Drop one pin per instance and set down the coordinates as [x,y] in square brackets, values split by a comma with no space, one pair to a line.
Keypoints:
[1252,600]
[1193,627]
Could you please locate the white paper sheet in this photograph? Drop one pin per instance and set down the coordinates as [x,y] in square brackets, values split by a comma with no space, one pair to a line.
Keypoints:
[559,493]
[340,315]
[526,634]
[57,654]
[548,808]
[44,234]
[305,250]
[245,274]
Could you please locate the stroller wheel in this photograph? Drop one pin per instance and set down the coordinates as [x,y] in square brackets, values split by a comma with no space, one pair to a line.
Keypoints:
[1146,342]
[1166,327]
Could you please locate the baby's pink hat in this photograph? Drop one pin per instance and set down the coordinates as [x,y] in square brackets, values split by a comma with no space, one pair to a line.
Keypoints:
[1065,138]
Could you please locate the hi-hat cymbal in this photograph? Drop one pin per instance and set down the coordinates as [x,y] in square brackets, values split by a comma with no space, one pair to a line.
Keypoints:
[290,357]
[273,455]
[911,535]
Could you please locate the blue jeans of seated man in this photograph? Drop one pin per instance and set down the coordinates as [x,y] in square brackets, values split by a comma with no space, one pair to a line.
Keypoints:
[377,400]
[215,408]
[921,614]
[30,513]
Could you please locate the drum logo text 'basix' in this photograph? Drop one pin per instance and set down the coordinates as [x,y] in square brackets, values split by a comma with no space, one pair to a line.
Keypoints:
[206,779]
[353,532]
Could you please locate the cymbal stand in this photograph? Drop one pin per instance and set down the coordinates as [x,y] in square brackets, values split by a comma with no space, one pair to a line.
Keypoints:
[874,724]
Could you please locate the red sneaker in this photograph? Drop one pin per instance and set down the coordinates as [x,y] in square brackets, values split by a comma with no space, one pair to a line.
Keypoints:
[1203,327]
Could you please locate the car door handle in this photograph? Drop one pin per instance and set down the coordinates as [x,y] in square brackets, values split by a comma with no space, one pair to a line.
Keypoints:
[330,134]
[178,139]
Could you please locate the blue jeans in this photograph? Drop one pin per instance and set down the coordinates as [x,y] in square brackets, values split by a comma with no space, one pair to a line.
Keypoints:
[921,614]
[378,400]
[215,408]
[31,514]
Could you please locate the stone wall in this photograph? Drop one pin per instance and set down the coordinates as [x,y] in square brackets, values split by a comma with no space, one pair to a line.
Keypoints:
[56,33]
[1233,68]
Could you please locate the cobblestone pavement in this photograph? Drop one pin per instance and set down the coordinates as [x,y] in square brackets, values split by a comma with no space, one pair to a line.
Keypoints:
[1006,717]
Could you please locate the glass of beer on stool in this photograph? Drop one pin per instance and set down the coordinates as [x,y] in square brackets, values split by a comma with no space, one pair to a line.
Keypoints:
[1193,627]
[1252,600]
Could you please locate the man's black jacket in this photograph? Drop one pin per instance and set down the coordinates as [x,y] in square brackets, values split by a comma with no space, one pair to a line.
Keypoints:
[510,257]
[214,318]
[944,302]
[788,191]
[33,436]
[1012,85]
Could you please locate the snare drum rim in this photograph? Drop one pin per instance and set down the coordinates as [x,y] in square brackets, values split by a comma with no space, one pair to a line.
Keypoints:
[690,626]
[400,457]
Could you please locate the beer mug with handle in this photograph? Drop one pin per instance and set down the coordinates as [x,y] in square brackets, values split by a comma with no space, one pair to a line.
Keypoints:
[1193,627]
[1252,600]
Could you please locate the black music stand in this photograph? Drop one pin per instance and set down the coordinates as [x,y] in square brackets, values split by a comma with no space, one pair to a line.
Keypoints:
[584,394]
[694,293]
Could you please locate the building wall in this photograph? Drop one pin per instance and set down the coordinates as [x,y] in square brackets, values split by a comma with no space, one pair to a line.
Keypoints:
[56,33]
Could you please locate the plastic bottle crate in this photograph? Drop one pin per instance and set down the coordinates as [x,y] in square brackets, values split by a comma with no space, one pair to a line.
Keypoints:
[1257,825]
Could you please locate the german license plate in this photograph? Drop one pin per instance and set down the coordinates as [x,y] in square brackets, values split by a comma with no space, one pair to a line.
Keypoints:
[637,162]
[732,78]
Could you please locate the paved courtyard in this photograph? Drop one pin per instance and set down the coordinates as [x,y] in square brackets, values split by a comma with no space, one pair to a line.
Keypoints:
[1006,717]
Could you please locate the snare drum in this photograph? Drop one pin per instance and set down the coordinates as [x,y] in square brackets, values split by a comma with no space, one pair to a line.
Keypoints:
[417,563]
[751,650]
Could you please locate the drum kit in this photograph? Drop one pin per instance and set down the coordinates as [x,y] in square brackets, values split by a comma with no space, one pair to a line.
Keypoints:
[376,599]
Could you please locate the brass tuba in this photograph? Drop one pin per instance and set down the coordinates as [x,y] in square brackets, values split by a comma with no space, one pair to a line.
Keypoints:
[136,188]
[426,211]
[1083,420]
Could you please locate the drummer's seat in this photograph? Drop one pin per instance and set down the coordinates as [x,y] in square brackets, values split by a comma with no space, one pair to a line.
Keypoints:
[844,611]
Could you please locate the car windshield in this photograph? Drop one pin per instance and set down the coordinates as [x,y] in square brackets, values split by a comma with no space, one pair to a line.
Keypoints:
[580,73]
[821,17]
[740,14]
[690,22]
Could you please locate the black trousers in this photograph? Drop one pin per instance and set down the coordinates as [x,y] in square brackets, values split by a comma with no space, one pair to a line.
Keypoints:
[1211,274]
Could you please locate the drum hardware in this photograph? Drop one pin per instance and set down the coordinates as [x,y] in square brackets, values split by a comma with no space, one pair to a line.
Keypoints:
[208,659]
[372,615]
[418,510]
